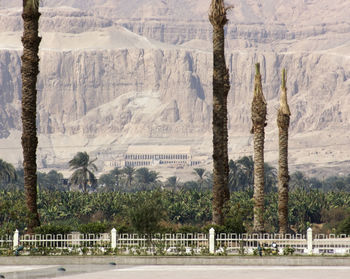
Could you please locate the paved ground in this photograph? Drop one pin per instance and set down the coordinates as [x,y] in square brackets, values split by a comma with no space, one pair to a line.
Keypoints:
[177,272]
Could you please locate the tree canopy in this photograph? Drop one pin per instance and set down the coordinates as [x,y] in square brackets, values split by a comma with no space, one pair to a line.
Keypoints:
[84,169]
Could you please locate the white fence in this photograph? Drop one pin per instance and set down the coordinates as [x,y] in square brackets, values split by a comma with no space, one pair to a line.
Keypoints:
[248,243]
[179,243]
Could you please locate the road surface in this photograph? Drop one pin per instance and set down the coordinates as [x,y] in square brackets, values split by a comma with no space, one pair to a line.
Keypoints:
[175,272]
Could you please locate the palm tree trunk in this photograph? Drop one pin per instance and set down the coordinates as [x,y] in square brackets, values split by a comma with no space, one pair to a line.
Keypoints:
[217,17]
[259,110]
[225,135]
[30,70]
[283,120]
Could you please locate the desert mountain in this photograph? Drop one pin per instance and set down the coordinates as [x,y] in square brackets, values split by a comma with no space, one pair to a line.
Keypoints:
[117,72]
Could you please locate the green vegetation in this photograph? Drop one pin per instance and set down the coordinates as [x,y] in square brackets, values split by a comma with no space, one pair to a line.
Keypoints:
[170,211]
[7,172]
[136,201]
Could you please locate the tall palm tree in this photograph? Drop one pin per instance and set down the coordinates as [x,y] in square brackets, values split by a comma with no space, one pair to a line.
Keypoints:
[283,119]
[7,172]
[116,172]
[221,87]
[84,170]
[259,111]
[200,173]
[129,172]
[30,71]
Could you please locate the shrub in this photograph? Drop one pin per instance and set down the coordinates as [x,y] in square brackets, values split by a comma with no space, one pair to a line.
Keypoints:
[217,228]
[53,229]
[344,226]
[146,212]
[287,251]
[95,228]
[188,229]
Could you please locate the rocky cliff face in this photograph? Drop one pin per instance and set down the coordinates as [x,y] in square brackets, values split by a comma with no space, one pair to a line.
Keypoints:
[140,71]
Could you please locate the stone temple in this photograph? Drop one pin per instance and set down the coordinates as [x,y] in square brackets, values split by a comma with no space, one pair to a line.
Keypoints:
[153,155]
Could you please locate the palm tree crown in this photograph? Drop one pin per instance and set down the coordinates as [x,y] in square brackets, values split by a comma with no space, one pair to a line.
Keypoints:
[146,176]
[129,172]
[84,170]
[7,172]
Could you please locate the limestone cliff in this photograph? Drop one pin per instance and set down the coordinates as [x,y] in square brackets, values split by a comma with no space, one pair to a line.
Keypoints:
[115,75]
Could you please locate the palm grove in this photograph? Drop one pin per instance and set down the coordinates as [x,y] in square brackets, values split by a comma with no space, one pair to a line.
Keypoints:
[227,175]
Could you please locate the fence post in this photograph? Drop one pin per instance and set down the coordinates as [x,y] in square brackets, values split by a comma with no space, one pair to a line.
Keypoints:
[16,239]
[212,241]
[309,241]
[114,238]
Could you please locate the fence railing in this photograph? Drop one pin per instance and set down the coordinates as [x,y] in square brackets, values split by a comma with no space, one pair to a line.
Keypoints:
[6,242]
[180,243]
[65,240]
[247,243]
[331,244]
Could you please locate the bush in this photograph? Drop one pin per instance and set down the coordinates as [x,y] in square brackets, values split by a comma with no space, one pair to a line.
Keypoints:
[122,228]
[344,226]
[217,228]
[95,228]
[189,229]
[233,219]
[288,251]
[53,229]
[145,213]
[333,218]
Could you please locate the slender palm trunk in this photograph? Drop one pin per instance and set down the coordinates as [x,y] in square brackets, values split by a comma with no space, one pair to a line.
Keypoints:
[221,86]
[259,111]
[30,70]
[283,120]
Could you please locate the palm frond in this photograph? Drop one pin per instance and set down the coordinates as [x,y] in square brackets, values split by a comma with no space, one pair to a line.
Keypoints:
[81,159]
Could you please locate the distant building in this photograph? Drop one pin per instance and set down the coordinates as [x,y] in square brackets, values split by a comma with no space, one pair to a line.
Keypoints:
[153,155]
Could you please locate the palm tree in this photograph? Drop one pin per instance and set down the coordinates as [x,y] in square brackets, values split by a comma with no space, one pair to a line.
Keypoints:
[233,180]
[298,180]
[145,176]
[221,87]
[172,181]
[7,172]
[283,119]
[270,173]
[30,71]
[246,164]
[200,173]
[84,170]
[241,176]
[116,172]
[129,172]
[259,111]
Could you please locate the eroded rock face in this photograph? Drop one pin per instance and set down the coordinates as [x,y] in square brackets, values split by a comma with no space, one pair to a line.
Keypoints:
[109,78]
